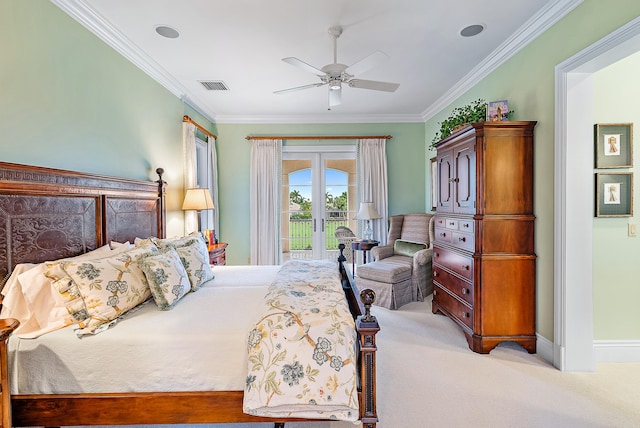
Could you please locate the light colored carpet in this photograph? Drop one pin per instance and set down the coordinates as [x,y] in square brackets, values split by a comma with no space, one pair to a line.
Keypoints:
[428,377]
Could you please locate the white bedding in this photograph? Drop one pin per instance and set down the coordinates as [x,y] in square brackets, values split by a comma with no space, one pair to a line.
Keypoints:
[200,344]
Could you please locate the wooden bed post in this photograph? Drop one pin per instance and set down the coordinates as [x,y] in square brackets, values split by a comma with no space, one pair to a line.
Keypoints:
[367,327]
[7,326]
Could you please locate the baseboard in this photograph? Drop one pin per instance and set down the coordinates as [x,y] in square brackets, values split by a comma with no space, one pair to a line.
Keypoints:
[545,349]
[617,351]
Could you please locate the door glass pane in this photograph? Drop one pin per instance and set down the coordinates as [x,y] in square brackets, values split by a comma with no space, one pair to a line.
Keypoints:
[297,223]
[340,201]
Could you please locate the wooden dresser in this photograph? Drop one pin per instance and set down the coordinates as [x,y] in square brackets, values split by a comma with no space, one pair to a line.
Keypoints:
[484,264]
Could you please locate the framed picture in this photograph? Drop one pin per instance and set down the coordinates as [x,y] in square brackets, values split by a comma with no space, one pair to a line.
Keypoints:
[614,145]
[497,111]
[434,184]
[614,194]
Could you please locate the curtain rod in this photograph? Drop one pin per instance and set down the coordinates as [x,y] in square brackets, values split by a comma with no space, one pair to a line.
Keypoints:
[186,118]
[317,137]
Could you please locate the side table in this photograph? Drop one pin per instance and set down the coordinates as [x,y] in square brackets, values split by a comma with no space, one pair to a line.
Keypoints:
[363,246]
[218,254]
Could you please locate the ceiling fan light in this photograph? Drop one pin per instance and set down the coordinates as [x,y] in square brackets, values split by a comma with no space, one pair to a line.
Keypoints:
[335,85]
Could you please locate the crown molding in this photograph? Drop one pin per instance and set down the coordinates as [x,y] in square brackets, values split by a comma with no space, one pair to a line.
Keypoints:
[538,24]
[297,119]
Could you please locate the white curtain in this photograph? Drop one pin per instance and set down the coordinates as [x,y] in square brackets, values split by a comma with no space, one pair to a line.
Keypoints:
[265,186]
[372,181]
[213,185]
[190,170]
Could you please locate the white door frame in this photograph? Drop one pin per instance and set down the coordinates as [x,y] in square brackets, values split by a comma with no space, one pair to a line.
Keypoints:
[573,200]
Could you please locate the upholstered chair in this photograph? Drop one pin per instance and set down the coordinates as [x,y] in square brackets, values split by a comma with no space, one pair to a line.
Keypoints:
[345,236]
[401,271]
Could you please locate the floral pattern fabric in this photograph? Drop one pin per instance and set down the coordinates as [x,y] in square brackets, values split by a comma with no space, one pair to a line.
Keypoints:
[167,278]
[302,359]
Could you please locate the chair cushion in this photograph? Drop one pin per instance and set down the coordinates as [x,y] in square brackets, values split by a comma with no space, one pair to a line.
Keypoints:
[406,248]
[387,271]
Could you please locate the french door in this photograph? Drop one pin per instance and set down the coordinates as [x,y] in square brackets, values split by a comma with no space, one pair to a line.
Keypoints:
[318,195]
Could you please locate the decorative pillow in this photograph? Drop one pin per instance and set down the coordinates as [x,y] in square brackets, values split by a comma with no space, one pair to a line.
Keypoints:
[178,242]
[195,258]
[109,287]
[68,289]
[406,248]
[167,278]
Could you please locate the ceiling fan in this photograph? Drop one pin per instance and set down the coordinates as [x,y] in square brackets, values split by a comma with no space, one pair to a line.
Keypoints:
[335,75]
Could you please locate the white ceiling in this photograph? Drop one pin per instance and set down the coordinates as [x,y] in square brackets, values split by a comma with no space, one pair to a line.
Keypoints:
[242,43]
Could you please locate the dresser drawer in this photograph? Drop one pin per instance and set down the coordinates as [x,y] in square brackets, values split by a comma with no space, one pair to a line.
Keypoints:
[440,222]
[452,305]
[466,241]
[455,285]
[451,223]
[443,235]
[462,265]
[466,226]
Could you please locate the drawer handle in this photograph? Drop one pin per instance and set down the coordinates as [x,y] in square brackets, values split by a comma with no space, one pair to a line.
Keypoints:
[465,267]
[465,291]
[462,239]
[442,234]
[465,315]
[451,223]
[435,273]
[465,225]
[436,254]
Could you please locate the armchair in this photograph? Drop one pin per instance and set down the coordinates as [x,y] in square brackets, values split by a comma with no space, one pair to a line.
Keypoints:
[401,271]
[345,236]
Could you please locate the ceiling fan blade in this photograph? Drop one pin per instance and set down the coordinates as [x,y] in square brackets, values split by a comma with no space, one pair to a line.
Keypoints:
[373,84]
[303,65]
[335,97]
[299,88]
[367,63]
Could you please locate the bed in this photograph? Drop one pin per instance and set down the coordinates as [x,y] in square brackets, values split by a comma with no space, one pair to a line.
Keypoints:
[49,214]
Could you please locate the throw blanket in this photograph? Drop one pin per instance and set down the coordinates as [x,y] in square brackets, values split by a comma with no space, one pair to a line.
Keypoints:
[301,351]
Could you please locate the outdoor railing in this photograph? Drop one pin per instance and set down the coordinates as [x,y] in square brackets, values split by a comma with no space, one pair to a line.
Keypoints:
[301,232]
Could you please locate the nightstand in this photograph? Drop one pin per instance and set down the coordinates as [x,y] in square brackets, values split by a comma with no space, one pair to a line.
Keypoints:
[218,254]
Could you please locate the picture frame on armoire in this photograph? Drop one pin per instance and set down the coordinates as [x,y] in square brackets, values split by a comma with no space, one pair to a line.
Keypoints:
[613,145]
[614,194]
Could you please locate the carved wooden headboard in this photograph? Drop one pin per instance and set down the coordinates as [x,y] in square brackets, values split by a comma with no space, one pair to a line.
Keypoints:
[48,214]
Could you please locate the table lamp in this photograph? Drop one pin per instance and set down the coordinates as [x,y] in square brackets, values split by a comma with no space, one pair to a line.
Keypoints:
[197,200]
[367,212]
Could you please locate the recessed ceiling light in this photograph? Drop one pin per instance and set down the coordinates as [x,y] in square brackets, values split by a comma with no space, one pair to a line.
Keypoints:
[472,30]
[168,32]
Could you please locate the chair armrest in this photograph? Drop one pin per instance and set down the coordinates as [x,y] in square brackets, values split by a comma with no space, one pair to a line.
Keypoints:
[422,257]
[381,252]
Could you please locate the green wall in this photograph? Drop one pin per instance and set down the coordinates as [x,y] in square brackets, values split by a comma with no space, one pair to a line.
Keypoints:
[527,81]
[70,101]
[405,169]
[615,255]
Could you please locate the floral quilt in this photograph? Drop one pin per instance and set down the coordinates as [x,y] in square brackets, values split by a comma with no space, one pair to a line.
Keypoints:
[302,359]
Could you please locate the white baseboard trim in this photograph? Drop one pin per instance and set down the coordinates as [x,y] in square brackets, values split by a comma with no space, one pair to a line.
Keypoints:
[617,351]
[545,349]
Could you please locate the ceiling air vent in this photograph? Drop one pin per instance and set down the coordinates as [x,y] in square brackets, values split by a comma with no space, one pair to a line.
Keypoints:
[214,85]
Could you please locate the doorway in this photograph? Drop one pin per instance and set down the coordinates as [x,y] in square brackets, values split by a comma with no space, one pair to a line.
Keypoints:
[318,195]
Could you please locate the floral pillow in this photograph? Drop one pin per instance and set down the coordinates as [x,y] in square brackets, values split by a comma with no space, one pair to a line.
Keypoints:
[178,242]
[167,278]
[109,286]
[195,258]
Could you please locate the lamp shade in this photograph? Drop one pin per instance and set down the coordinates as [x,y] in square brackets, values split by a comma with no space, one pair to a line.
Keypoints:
[367,212]
[197,199]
